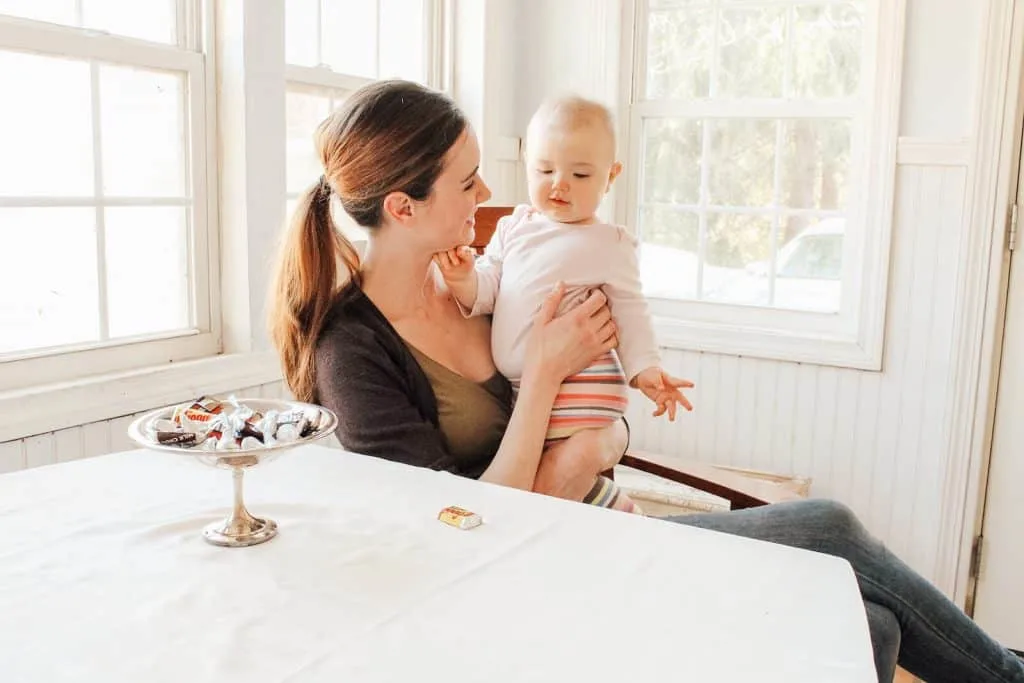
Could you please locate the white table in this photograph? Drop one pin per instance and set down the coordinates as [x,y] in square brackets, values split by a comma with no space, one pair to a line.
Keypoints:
[104,576]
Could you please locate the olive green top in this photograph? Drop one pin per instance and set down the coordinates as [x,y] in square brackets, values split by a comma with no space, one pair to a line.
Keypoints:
[472,416]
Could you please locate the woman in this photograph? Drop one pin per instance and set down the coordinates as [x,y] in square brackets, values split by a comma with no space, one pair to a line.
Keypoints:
[383,344]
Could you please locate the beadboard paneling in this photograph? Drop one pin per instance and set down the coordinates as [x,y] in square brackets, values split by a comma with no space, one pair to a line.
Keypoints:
[875,441]
[95,438]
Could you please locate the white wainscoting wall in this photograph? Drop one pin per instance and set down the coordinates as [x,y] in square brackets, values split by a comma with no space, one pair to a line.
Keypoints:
[876,441]
[96,438]
[872,440]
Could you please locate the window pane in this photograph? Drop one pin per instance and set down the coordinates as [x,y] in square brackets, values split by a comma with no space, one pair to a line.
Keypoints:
[147,270]
[738,250]
[815,163]
[672,153]
[402,54]
[751,45]
[669,252]
[143,132]
[301,28]
[48,291]
[153,20]
[742,162]
[45,131]
[810,266]
[826,50]
[304,110]
[350,37]
[679,53]
[54,11]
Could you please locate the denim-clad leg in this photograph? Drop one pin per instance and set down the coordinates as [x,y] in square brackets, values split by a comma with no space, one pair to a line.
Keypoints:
[935,640]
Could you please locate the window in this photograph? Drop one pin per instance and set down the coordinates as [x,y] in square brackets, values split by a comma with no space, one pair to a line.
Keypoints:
[105,262]
[751,127]
[348,37]
[333,47]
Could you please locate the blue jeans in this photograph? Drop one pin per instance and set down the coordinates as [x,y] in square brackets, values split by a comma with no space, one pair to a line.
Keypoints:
[911,622]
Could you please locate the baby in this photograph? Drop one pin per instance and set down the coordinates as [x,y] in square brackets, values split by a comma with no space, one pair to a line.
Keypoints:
[570,162]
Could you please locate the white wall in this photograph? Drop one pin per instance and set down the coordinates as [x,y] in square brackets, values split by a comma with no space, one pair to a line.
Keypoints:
[96,438]
[942,52]
[876,441]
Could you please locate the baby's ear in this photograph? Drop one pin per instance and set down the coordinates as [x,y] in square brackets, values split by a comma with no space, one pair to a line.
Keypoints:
[613,174]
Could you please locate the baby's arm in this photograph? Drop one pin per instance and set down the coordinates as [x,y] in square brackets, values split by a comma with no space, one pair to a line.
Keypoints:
[475,283]
[664,390]
[638,346]
[457,269]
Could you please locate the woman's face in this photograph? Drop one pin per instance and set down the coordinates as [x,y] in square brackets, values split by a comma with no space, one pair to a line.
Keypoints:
[450,209]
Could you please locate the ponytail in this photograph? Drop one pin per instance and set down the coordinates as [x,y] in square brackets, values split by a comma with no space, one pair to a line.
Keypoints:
[305,284]
[388,136]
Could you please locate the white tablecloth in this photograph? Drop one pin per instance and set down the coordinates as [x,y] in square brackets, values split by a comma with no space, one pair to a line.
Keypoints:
[104,577]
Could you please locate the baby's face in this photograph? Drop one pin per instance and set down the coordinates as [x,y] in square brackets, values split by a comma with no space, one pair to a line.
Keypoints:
[569,171]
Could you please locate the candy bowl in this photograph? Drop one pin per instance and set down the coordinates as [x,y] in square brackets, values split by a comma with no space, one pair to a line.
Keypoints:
[234,434]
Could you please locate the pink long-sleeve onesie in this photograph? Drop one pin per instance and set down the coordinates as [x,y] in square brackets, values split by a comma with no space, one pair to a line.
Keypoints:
[527,256]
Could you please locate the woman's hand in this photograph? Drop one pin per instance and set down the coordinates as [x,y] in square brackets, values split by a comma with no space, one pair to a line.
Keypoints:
[568,469]
[559,348]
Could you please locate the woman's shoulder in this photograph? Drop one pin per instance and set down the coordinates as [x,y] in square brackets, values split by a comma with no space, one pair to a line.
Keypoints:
[353,324]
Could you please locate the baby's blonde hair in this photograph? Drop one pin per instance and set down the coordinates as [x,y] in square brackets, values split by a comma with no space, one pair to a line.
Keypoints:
[571,112]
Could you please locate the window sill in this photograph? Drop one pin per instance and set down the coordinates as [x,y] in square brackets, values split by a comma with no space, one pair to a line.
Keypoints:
[770,344]
[51,407]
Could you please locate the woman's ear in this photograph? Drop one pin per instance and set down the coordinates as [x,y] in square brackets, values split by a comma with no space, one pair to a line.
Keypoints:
[613,174]
[398,207]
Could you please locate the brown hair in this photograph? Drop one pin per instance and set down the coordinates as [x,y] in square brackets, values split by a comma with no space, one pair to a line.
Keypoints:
[389,136]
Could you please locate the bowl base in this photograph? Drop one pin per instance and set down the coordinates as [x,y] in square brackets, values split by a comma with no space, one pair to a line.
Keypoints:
[231,534]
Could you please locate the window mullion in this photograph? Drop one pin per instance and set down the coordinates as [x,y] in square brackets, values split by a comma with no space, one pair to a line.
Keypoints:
[100,211]
[377,41]
[185,33]
[787,54]
[716,28]
[776,211]
[758,210]
[642,17]
[321,30]
[704,200]
[323,77]
[787,82]
[749,108]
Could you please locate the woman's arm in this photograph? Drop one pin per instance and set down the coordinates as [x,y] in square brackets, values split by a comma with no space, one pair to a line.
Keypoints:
[557,348]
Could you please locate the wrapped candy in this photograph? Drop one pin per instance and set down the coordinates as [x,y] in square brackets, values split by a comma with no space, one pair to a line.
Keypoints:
[460,518]
[228,425]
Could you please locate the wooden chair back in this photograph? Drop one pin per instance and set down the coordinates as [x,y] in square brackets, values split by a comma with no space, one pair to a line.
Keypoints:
[487,218]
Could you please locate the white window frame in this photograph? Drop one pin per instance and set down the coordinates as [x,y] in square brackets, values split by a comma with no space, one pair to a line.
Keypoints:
[853,337]
[333,83]
[324,76]
[192,57]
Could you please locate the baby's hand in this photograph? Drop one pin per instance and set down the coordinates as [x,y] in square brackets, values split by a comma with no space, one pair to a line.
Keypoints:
[664,390]
[456,264]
